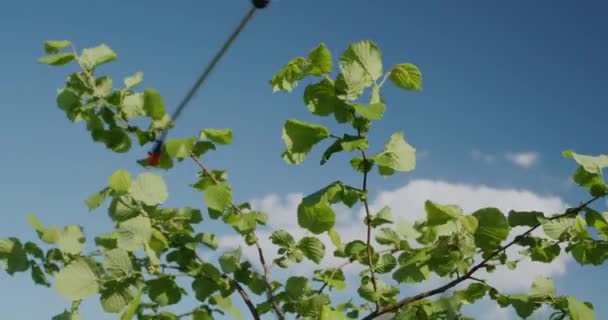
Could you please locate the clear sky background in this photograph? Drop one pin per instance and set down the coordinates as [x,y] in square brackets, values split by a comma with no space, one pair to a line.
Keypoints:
[502,79]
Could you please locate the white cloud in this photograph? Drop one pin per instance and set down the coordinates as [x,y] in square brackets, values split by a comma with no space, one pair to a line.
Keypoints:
[483,157]
[407,202]
[523,159]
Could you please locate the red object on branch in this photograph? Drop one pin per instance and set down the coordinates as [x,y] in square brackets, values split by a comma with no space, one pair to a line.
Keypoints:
[153,158]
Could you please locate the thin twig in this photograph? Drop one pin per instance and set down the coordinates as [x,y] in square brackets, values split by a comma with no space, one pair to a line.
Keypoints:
[368,218]
[477,279]
[333,274]
[238,210]
[471,271]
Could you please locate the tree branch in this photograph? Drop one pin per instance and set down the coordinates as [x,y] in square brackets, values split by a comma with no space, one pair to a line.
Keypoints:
[238,210]
[471,271]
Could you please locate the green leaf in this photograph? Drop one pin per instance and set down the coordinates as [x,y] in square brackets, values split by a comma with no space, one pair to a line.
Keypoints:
[179,148]
[149,188]
[542,289]
[248,221]
[492,230]
[282,239]
[598,222]
[333,277]
[296,287]
[398,155]
[117,140]
[133,106]
[204,287]
[328,314]
[90,58]
[134,233]
[201,147]
[164,291]
[107,241]
[384,216]
[201,314]
[132,81]
[387,236]
[226,305]
[578,310]
[411,274]
[321,99]
[68,100]
[122,208]
[386,263]
[97,199]
[299,137]
[523,306]
[49,235]
[221,136]
[383,293]
[218,198]
[437,214]
[353,143]
[312,305]
[472,293]
[595,253]
[77,280]
[72,239]
[13,255]
[120,181]
[540,249]
[117,262]
[116,295]
[58,59]
[287,78]
[53,46]
[312,248]
[230,261]
[334,236]
[557,228]
[319,61]
[374,111]
[591,164]
[406,76]
[590,181]
[39,277]
[166,315]
[314,212]
[154,105]
[133,305]
[65,315]
[361,65]
[103,86]
[209,239]
[333,148]
[529,218]
[406,230]
[469,223]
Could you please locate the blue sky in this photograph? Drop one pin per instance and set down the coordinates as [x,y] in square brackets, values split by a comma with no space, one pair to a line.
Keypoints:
[499,78]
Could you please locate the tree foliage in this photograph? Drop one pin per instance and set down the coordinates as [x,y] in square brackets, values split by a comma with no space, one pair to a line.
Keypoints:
[135,268]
